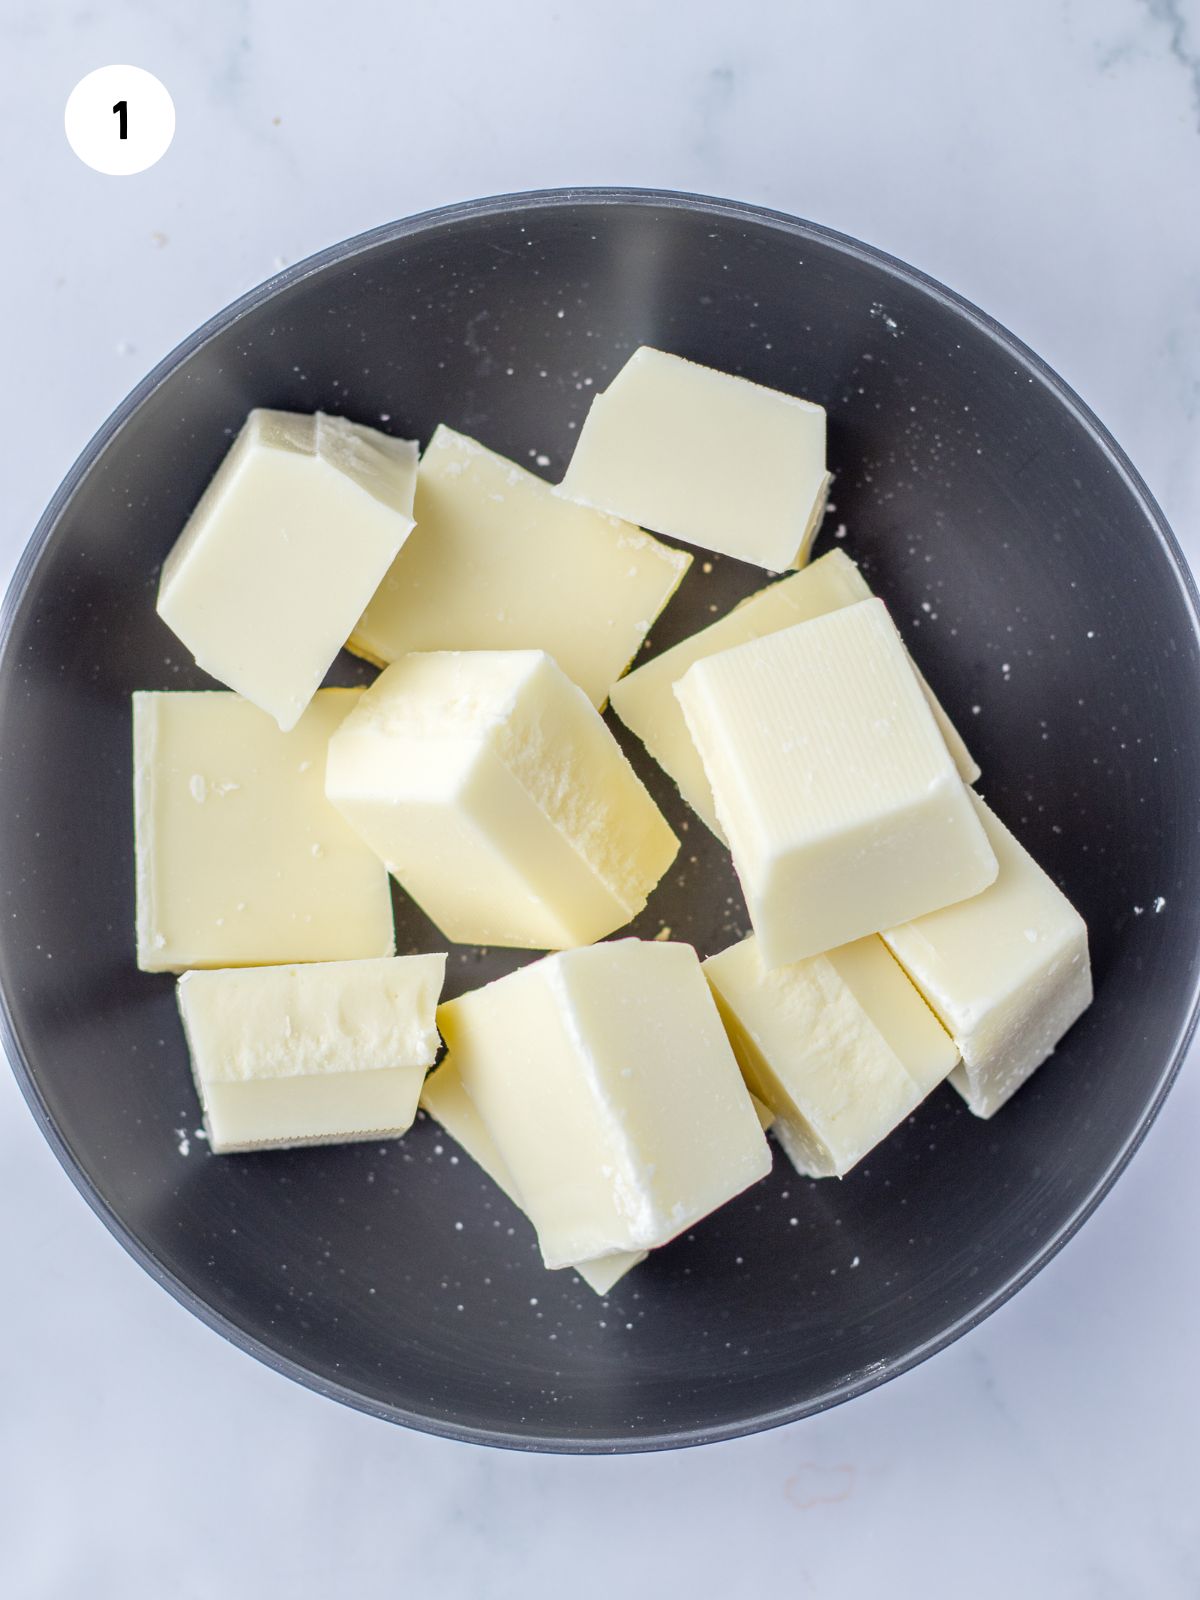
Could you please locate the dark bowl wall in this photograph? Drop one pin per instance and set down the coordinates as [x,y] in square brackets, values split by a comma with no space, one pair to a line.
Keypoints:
[1035,583]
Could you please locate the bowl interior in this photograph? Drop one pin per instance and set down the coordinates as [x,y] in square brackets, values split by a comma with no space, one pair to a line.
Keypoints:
[1038,592]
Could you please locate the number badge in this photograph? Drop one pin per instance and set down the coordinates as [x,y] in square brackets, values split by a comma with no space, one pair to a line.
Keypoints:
[120,120]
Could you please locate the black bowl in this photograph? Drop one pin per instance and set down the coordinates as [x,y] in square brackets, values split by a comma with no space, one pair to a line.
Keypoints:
[1043,595]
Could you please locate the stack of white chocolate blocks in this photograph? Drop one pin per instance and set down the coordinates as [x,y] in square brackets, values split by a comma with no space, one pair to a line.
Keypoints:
[617,1091]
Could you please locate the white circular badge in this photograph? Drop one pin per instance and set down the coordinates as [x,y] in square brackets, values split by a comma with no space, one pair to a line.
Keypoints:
[120,120]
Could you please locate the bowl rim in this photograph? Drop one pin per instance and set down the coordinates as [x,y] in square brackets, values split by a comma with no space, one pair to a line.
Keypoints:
[534,202]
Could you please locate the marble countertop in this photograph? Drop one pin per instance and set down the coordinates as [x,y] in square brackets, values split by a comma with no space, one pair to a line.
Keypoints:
[1044,160]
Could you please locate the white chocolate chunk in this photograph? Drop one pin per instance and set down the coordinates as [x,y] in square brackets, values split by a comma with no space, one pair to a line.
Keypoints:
[241,860]
[704,457]
[645,699]
[603,1275]
[607,1083]
[832,783]
[316,1054]
[497,796]
[444,1098]
[840,1046]
[285,547]
[1007,971]
[499,562]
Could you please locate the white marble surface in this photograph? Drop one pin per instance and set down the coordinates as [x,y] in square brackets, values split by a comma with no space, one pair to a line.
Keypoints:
[1044,159]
